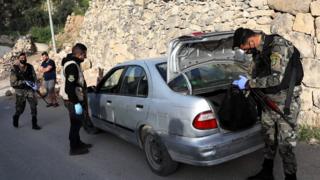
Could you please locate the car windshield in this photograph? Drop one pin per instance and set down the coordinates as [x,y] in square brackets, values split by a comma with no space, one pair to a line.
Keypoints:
[205,75]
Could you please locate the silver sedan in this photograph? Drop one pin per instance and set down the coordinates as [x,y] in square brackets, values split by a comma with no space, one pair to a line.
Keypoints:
[166,109]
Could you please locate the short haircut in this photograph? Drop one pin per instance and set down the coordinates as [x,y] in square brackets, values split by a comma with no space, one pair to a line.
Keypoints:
[241,36]
[22,54]
[79,48]
[45,53]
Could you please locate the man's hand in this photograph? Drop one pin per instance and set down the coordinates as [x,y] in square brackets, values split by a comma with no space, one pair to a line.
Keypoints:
[241,83]
[32,85]
[78,108]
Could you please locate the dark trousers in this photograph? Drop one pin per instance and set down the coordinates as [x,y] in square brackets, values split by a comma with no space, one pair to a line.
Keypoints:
[75,125]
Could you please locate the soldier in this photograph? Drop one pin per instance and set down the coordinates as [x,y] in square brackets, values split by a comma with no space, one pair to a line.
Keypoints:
[73,91]
[23,79]
[271,73]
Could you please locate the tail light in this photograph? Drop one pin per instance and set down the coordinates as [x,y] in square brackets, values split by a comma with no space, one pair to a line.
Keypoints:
[205,120]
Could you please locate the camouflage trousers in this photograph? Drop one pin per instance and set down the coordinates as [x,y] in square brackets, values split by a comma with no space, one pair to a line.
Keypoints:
[21,98]
[279,135]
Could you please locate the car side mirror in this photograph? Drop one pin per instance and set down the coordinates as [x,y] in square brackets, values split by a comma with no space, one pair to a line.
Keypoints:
[91,89]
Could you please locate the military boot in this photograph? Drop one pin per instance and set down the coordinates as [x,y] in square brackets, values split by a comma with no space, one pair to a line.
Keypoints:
[291,176]
[15,121]
[78,151]
[84,145]
[34,123]
[266,173]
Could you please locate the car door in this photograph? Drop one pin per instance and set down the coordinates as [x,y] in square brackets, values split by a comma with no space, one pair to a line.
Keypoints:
[108,91]
[133,101]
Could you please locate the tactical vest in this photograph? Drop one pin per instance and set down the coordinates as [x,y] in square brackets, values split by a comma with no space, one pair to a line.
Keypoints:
[24,75]
[81,83]
[263,67]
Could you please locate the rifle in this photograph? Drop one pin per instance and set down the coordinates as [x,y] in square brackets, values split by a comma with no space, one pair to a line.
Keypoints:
[266,102]
[31,85]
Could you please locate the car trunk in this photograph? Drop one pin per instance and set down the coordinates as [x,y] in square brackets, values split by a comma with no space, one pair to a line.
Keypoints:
[234,111]
[205,65]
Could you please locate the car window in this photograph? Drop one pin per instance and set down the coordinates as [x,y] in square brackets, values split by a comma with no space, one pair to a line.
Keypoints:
[134,82]
[179,84]
[112,83]
[162,68]
[212,74]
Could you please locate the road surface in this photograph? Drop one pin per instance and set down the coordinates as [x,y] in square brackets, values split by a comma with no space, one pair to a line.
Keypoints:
[26,154]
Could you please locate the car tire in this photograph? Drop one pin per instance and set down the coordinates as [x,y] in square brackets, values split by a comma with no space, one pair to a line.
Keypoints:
[157,156]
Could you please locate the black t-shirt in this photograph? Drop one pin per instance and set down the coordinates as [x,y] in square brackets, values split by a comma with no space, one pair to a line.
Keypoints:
[50,75]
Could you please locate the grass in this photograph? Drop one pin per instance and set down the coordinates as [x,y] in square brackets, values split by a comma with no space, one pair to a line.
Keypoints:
[306,133]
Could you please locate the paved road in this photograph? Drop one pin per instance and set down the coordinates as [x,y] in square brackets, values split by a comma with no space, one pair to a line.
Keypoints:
[26,154]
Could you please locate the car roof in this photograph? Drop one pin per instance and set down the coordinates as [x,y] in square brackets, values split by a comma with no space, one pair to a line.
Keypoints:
[150,61]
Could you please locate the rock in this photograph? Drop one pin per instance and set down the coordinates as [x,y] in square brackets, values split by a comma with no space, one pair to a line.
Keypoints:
[140,2]
[317,22]
[316,98]
[8,93]
[315,8]
[41,47]
[314,141]
[24,44]
[282,24]
[304,23]
[311,73]
[306,99]
[227,16]
[264,20]
[91,76]
[260,13]
[290,6]
[317,51]
[309,118]
[86,65]
[258,3]
[303,42]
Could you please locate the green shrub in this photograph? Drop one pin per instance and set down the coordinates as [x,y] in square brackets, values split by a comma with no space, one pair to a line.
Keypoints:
[41,34]
[306,133]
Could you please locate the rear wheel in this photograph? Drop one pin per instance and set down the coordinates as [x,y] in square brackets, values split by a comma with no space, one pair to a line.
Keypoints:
[157,156]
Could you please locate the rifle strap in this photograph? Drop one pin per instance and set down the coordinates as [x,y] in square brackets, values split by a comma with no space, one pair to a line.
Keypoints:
[288,100]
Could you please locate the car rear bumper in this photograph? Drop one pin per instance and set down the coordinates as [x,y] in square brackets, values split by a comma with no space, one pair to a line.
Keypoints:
[213,149]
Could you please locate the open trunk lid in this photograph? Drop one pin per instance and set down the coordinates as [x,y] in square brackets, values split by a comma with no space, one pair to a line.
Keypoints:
[187,51]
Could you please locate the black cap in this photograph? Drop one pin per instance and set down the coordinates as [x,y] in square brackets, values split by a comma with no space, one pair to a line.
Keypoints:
[241,35]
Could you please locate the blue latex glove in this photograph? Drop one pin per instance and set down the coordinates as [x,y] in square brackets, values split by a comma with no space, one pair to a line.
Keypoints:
[241,83]
[32,85]
[78,108]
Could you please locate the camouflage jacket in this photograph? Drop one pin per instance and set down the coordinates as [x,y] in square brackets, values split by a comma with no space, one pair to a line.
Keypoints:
[18,75]
[268,68]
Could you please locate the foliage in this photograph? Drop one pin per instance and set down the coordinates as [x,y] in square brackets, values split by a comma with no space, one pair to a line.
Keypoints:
[306,133]
[23,16]
[41,34]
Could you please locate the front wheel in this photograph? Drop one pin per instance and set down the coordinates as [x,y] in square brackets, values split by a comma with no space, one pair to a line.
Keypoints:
[158,157]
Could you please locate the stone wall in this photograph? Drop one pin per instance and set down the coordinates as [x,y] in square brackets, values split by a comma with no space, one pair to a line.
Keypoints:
[119,30]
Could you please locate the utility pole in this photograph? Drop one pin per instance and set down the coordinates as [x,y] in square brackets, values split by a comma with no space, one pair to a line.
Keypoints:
[51,27]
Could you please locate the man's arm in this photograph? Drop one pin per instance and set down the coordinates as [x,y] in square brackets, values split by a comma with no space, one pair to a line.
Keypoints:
[14,81]
[72,75]
[279,59]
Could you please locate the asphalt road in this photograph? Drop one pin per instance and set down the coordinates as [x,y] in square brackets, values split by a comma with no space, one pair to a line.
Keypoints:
[26,154]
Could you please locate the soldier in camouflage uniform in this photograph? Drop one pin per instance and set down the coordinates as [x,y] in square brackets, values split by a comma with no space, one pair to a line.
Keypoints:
[267,71]
[21,74]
